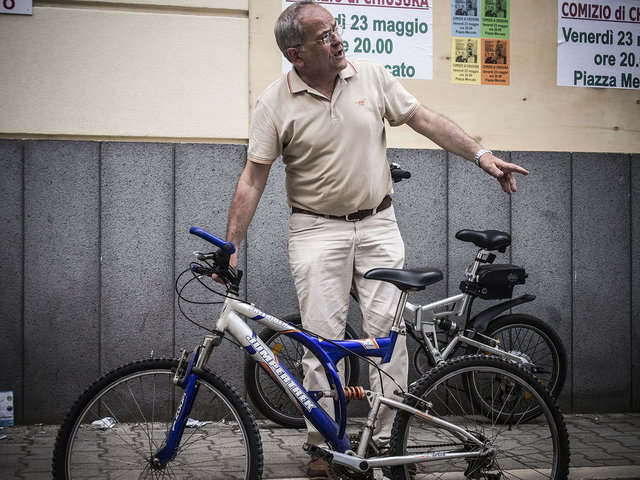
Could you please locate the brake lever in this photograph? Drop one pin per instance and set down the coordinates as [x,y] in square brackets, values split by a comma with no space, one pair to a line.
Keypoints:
[204,256]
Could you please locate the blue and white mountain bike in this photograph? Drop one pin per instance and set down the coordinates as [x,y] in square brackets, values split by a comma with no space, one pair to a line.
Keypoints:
[178,419]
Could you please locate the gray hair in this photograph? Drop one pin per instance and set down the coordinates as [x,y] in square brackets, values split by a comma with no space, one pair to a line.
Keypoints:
[288,30]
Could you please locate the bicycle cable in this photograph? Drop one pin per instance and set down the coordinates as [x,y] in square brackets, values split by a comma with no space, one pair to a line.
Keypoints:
[198,278]
[182,298]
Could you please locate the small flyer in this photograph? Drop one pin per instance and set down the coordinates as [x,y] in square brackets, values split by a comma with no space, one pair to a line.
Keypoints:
[6,409]
[495,62]
[480,42]
[465,67]
[495,18]
[465,18]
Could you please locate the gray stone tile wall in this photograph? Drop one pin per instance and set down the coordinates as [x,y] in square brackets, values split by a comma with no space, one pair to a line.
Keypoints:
[634,333]
[601,257]
[61,318]
[11,266]
[93,235]
[541,235]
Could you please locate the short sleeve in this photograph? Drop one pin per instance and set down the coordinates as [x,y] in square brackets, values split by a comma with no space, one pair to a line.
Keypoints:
[264,143]
[400,105]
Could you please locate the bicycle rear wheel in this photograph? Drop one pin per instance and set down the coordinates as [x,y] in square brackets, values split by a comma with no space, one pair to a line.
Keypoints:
[267,396]
[538,449]
[538,342]
[116,426]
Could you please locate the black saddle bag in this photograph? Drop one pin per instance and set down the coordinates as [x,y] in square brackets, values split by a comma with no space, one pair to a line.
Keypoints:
[495,281]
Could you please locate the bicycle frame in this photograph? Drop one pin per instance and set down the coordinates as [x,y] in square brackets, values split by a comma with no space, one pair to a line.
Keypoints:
[329,353]
[424,319]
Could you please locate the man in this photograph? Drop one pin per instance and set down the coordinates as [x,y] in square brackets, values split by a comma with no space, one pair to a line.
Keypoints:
[499,55]
[500,10]
[469,10]
[326,118]
[469,56]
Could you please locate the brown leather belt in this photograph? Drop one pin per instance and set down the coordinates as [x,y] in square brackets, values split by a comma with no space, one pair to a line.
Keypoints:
[351,217]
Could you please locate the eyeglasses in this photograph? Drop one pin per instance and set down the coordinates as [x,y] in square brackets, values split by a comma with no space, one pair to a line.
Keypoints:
[328,37]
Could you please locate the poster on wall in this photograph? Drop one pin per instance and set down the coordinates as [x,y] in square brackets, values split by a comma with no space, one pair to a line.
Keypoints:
[599,44]
[398,34]
[465,65]
[18,7]
[465,18]
[480,47]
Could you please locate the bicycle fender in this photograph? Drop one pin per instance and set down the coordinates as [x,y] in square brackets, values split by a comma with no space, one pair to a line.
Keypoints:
[482,319]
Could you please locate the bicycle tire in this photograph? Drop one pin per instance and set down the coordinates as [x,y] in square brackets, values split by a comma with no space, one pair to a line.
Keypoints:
[531,336]
[421,360]
[142,400]
[524,335]
[540,447]
[267,396]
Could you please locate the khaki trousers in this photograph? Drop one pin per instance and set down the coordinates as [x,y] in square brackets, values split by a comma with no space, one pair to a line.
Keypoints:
[328,257]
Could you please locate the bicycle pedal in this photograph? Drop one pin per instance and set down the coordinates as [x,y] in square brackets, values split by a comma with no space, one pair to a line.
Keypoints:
[378,474]
[317,452]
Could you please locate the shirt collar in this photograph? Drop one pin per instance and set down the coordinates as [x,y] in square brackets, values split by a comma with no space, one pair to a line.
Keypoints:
[296,84]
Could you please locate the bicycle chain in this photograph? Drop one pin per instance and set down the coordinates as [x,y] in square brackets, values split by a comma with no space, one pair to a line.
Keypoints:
[435,445]
[339,472]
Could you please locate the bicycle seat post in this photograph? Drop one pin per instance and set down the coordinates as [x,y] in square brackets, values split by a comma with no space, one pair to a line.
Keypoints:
[395,327]
[483,256]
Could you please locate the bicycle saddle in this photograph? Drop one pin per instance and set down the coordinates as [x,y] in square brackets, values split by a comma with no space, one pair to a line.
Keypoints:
[488,239]
[406,280]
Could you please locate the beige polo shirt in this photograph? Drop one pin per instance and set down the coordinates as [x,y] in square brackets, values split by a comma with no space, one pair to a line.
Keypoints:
[334,150]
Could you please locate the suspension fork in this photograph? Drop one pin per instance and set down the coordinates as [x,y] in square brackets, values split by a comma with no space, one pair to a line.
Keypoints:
[187,377]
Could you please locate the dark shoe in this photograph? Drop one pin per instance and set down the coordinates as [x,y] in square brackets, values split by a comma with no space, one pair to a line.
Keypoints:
[317,469]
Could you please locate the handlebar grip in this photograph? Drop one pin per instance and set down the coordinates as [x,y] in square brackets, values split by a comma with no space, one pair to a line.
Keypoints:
[227,247]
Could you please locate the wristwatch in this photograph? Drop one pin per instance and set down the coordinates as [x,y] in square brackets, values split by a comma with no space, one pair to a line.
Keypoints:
[481,152]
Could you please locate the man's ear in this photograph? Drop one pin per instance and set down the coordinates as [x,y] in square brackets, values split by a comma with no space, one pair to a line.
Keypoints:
[294,57]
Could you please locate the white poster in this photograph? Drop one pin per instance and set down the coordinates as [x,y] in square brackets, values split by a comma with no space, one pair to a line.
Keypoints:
[395,33]
[599,44]
[20,7]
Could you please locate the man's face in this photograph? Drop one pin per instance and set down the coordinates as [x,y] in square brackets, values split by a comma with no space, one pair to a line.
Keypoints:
[321,59]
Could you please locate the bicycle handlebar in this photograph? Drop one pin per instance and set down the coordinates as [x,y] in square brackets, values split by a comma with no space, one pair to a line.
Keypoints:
[397,174]
[227,247]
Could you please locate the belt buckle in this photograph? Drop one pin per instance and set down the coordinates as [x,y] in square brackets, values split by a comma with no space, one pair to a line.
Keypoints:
[357,219]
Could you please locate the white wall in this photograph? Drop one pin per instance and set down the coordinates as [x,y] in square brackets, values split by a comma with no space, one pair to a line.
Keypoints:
[167,70]
[189,71]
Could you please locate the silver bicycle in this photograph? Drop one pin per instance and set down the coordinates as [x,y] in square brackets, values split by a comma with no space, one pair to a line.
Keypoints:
[443,329]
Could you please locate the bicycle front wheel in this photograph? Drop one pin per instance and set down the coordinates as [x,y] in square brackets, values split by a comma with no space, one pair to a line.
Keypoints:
[538,449]
[119,423]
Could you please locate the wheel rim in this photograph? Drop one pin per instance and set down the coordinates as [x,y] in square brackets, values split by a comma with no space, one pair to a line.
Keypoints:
[142,405]
[524,450]
[537,347]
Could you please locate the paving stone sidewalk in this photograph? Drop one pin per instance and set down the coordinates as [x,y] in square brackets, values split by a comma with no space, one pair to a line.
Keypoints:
[602,447]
